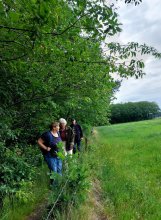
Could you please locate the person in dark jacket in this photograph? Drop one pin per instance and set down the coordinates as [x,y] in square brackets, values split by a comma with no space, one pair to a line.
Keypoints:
[67,136]
[48,143]
[78,135]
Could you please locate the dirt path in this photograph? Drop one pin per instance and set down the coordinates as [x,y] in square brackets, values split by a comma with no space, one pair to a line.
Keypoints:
[95,212]
[98,212]
[38,212]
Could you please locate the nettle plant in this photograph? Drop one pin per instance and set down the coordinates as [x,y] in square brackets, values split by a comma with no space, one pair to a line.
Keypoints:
[73,186]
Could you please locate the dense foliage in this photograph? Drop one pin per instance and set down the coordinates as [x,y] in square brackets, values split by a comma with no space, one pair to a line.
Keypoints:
[52,65]
[133,111]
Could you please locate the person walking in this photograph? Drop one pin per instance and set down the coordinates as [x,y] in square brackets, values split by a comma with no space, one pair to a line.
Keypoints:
[67,136]
[48,143]
[78,135]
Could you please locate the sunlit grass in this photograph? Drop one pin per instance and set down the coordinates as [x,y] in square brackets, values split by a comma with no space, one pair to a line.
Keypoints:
[126,159]
[129,166]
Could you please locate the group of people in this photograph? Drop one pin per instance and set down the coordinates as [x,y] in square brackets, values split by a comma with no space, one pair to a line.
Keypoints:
[69,137]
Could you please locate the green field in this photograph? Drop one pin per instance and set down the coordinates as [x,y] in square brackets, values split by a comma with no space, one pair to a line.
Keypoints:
[129,168]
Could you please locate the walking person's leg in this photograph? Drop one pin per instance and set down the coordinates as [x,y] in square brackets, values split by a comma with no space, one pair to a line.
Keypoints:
[79,145]
[47,160]
[53,162]
[59,166]
[75,147]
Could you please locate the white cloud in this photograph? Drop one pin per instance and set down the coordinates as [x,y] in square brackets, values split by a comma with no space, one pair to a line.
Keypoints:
[142,24]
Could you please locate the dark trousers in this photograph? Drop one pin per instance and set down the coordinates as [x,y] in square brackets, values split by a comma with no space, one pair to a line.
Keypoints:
[77,146]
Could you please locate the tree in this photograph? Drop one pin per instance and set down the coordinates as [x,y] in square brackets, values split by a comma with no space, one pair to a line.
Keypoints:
[133,111]
[53,65]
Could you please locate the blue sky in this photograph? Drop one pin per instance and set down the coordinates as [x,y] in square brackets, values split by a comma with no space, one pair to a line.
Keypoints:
[142,24]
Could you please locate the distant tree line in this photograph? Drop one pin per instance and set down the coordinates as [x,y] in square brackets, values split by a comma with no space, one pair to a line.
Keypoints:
[134,111]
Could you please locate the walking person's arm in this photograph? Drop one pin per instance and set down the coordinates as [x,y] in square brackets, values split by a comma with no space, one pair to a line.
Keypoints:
[42,145]
[81,132]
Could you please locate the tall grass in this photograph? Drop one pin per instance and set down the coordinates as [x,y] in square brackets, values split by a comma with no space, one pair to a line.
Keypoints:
[126,158]
[129,167]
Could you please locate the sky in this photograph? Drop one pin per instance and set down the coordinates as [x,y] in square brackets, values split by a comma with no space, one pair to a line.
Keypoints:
[142,24]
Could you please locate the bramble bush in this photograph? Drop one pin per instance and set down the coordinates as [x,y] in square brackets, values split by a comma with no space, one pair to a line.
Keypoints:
[17,166]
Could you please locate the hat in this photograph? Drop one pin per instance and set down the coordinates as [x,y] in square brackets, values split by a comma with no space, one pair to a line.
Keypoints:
[62,121]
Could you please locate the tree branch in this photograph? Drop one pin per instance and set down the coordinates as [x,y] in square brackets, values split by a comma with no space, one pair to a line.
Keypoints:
[69,27]
[52,33]
[15,58]
[16,29]
[32,99]
[19,57]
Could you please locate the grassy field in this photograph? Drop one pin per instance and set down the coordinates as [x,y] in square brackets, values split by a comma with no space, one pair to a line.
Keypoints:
[125,171]
[129,168]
